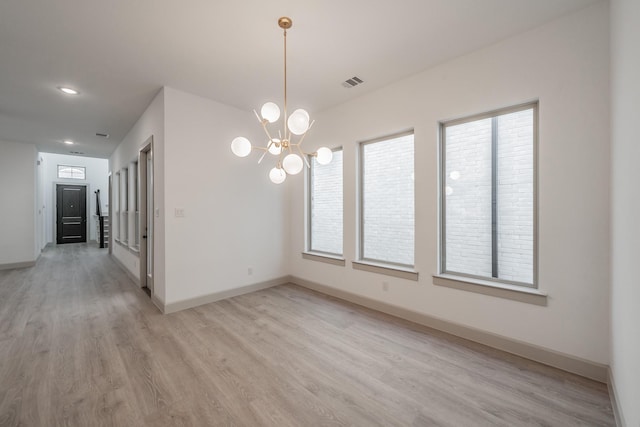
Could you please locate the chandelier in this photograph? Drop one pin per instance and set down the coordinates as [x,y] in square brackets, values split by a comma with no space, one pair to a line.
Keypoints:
[289,153]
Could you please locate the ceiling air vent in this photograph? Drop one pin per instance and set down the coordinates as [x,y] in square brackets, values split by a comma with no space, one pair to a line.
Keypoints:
[76,152]
[353,81]
[103,135]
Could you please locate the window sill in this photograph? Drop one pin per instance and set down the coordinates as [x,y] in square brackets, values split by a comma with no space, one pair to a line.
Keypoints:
[326,258]
[386,269]
[486,287]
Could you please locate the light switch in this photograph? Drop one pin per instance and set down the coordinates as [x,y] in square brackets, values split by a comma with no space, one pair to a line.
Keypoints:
[179,212]
[157,212]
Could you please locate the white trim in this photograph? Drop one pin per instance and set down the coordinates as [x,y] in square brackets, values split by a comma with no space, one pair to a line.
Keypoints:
[386,269]
[326,258]
[158,303]
[16,265]
[495,289]
[566,362]
[615,403]
[172,307]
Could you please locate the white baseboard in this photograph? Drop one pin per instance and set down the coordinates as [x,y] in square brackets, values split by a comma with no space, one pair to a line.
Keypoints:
[615,404]
[172,307]
[158,303]
[14,265]
[566,362]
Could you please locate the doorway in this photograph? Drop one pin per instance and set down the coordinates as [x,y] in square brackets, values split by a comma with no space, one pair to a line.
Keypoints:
[71,213]
[145,190]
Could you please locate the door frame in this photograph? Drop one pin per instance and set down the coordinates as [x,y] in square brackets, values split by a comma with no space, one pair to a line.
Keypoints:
[109,211]
[55,211]
[145,217]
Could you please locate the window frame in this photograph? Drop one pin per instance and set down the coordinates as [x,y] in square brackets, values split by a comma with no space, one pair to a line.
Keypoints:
[133,212]
[308,245]
[124,208]
[533,105]
[376,264]
[84,172]
[115,224]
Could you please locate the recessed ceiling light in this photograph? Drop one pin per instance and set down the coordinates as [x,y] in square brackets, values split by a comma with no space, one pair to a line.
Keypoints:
[68,90]
[68,142]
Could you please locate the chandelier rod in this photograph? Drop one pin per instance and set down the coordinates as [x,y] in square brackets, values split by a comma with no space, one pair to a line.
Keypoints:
[285,79]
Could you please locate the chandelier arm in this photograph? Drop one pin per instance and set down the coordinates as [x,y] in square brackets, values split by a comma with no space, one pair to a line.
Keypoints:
[279,165]
[303,135]
[264,126]
[262,157]
[304,156]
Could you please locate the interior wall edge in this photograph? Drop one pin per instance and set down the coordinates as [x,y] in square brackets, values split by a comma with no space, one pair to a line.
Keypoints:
[615,404]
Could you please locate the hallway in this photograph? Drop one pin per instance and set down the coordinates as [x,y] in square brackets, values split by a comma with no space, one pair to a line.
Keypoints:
[80,345]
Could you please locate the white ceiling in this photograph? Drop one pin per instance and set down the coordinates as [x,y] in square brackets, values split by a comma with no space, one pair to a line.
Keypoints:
[119,53]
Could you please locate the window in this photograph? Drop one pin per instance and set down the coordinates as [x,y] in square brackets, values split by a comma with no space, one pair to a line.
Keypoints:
[116,207]
[488,196]
[387,200]
[134,213]
[325,205]
[124,205]
[71,172]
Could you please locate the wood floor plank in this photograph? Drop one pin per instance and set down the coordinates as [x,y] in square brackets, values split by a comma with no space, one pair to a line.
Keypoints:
[81,345]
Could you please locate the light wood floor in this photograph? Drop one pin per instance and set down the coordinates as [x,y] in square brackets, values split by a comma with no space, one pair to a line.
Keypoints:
[81,346]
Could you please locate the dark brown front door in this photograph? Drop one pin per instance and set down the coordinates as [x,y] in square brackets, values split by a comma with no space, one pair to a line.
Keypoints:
[71,211]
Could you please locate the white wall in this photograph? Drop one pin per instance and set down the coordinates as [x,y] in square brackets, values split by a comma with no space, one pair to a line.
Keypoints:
[625,244]
[18,239]
[150,124]
[234,216]
[96,179]
[565,65]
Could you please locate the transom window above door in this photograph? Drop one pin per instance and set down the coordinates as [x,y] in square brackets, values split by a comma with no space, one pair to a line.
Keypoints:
[72,172]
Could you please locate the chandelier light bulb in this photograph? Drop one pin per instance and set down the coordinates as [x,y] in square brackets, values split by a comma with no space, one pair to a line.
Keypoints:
[275,147]
[277,175]
[270,112]
[298,122]
[324,155]
[292,164]
[241,146]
